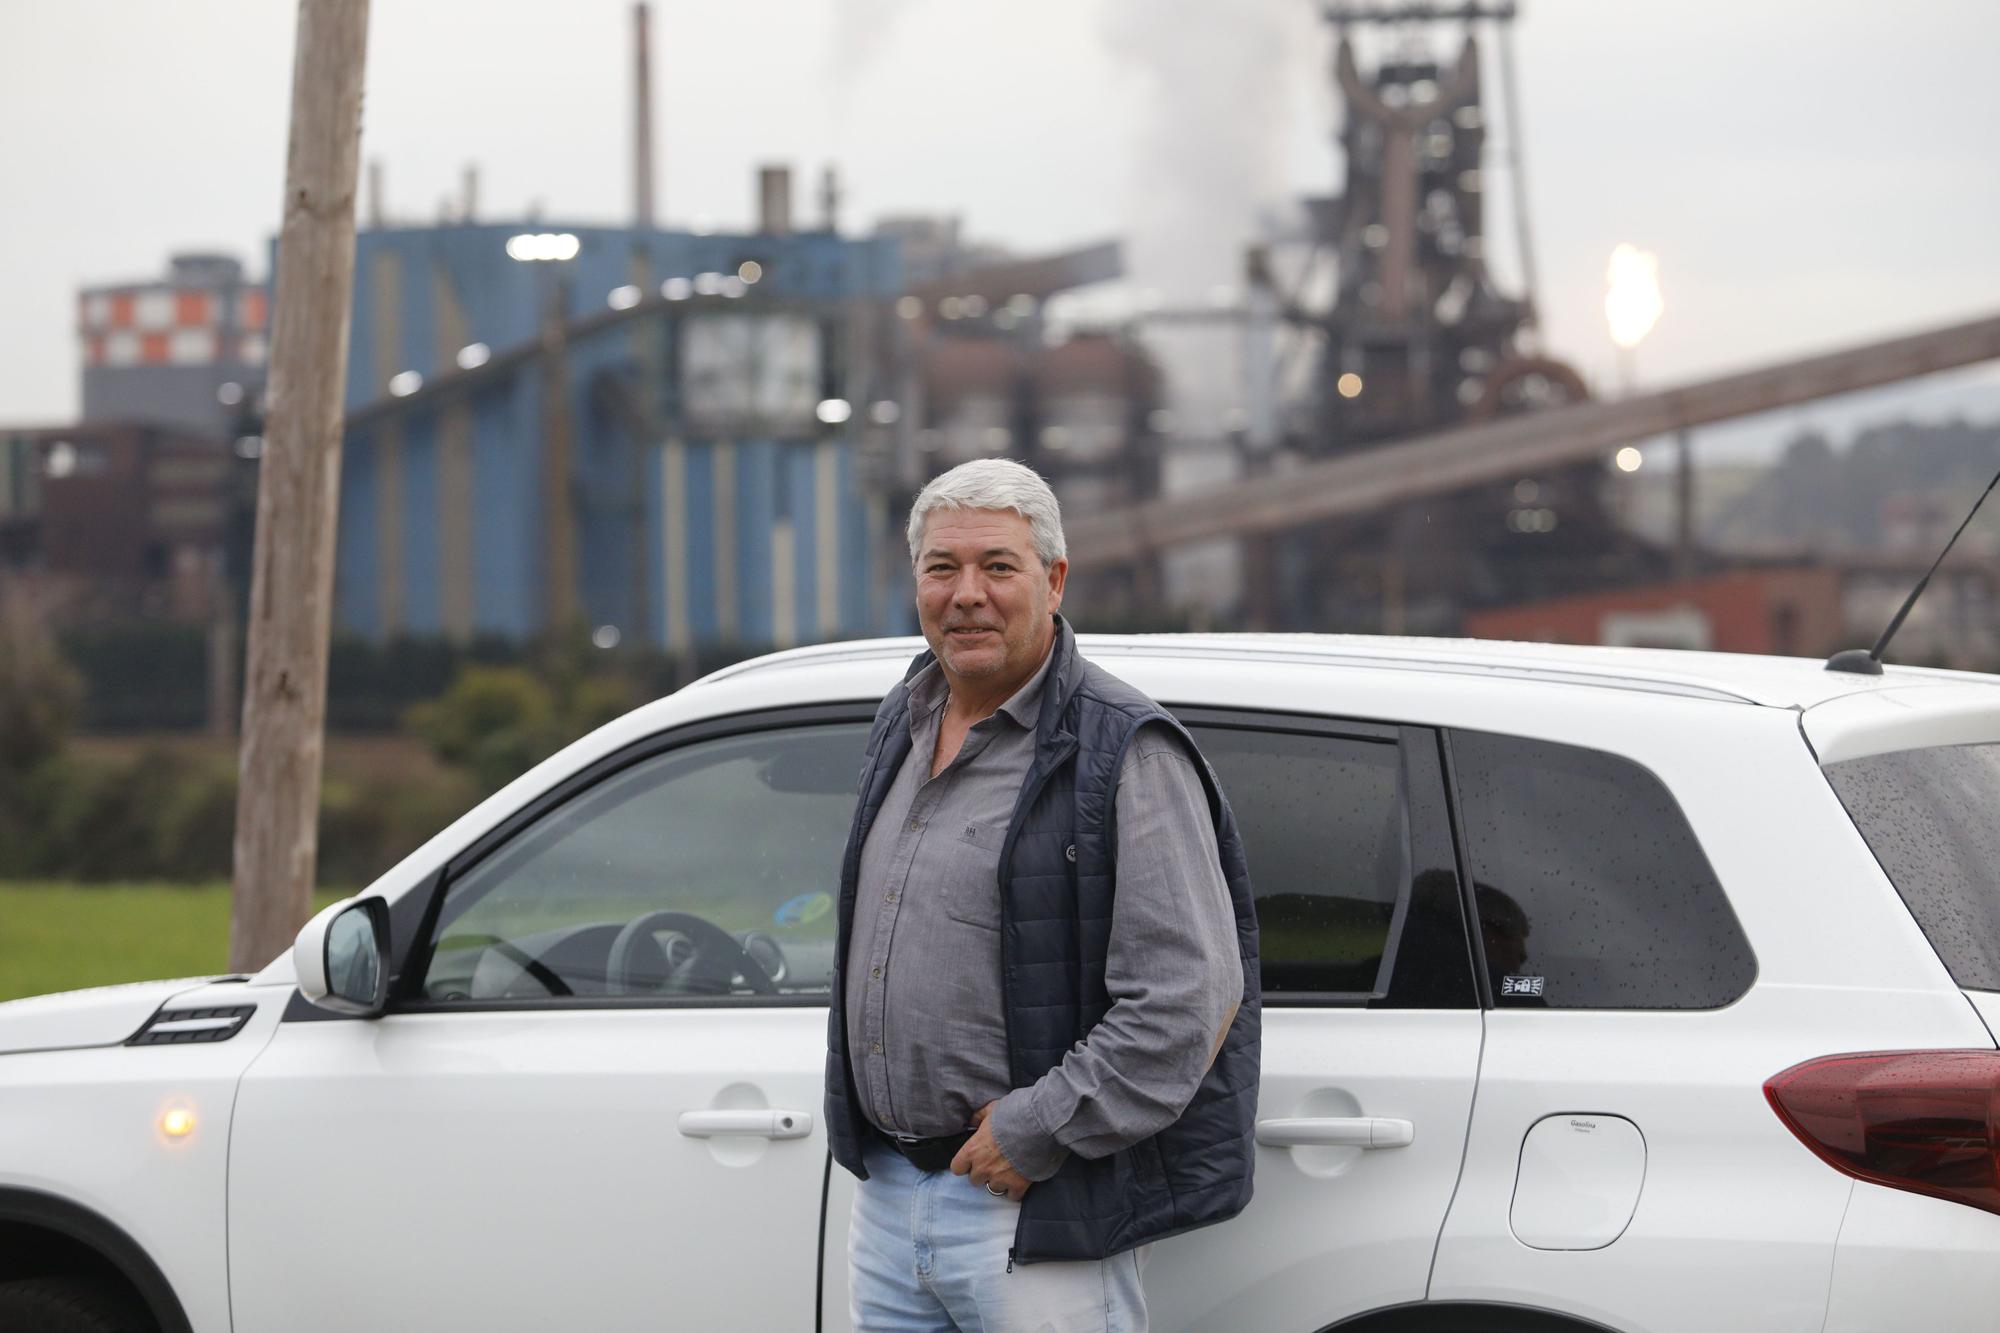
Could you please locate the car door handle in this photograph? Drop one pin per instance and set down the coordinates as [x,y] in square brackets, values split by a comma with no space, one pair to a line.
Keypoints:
[745,1124]
[1359,1131]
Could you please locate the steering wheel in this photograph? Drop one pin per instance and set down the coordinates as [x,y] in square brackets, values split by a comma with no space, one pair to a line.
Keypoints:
[543,974]
[718,958]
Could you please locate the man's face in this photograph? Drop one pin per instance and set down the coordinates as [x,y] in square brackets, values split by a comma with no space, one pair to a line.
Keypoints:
[984,597]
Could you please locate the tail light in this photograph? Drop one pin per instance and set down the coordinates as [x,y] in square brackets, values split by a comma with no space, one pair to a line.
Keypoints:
[1925,1121]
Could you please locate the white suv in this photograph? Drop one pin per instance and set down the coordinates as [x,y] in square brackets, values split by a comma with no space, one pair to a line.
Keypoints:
[1604,989]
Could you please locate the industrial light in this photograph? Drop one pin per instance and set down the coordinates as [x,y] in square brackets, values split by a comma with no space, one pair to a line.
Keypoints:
[623,298]
[229,394]
[885,413]
[750,271]
[733,287]
[474,355]
[707,284]
[1531,520]
[61,459]
[544,246]
[1349,385]
[1632,303]
[405,384]
[909,307]
[1022,304]
[676,289]
[833,411]
[951,308]
[1629,459]
[605,637]
[975,306]
[249,446]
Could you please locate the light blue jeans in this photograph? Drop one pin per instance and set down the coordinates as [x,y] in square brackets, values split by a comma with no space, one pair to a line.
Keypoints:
[927,1253]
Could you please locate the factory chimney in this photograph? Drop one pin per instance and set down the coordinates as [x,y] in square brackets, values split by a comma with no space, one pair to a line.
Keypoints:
[774,200]
[829,198]
[468,203]
[375,206]
[642,115]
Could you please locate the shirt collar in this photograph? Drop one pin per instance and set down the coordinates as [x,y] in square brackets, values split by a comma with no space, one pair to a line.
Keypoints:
[928,693]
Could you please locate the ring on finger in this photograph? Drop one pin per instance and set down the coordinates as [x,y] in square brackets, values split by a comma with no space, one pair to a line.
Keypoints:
[996,1193]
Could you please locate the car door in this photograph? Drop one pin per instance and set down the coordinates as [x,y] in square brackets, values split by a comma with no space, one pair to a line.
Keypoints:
[595,1100]
[1371,1033]
[1622,1141]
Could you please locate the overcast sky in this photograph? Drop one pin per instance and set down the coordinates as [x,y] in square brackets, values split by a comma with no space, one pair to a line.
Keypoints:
[1810,172]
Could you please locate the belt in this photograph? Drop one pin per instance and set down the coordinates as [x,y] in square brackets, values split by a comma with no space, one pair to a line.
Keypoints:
[926,1154]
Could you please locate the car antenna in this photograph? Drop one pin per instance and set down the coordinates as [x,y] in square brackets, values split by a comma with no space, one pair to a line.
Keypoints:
[1869,662]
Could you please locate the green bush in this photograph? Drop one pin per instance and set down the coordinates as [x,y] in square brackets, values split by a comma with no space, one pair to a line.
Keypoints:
[168,816]
[495,722]
[39,691]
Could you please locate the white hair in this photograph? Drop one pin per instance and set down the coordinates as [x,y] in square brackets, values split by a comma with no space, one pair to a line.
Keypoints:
[994,483]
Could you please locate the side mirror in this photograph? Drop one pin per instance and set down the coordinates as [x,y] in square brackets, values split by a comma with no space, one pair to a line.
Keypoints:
[342,958]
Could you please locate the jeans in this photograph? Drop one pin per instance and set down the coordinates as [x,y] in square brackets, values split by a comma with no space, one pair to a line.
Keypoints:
[927,1253]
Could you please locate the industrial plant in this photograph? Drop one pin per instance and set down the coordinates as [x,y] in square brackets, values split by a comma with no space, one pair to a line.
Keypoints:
[693,441]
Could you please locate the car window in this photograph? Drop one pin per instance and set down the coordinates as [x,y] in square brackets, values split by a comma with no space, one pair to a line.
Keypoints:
[1928,817]
[1351,866]
[1591,889]
[710,869]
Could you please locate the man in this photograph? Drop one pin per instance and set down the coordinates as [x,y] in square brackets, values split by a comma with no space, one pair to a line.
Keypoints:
[1042,1051]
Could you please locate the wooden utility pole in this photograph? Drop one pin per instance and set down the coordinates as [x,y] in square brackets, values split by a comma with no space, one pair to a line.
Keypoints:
[298,490]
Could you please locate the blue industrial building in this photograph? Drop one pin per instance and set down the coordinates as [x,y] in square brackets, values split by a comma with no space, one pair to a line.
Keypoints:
[673,458]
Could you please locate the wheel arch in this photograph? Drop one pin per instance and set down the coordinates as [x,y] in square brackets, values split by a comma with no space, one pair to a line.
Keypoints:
[51,1234]
[1465,1317]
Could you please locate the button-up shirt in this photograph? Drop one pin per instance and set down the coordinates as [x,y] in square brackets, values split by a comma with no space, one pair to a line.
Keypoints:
[926,1028]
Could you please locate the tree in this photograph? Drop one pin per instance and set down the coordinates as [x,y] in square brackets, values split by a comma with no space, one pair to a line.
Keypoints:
[40,694]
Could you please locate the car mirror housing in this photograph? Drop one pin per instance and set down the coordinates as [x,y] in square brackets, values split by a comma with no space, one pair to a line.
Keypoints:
[341,958]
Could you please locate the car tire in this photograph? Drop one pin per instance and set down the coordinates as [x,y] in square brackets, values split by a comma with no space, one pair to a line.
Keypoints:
[65,1305]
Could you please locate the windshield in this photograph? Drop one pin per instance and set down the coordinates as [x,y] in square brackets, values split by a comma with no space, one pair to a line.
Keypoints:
[1928,816]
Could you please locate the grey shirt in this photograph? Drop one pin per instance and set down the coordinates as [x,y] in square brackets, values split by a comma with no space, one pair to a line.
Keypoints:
[926,1031]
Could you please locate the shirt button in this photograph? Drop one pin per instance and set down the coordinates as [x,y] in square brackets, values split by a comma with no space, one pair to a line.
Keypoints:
[888,897]
[875,972]
[875,1048]
[915,824]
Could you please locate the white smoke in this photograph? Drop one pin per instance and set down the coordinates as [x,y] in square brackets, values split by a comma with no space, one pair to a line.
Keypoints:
[1227,87]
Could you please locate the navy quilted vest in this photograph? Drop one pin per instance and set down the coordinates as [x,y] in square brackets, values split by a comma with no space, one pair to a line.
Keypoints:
[1058,876]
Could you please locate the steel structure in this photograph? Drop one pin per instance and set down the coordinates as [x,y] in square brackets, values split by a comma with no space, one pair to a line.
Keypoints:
[1449,461]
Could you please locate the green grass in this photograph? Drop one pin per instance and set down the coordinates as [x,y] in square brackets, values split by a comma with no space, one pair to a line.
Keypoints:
[59,936]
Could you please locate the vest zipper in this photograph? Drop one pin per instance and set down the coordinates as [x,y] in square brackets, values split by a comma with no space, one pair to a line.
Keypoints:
[1010,1258]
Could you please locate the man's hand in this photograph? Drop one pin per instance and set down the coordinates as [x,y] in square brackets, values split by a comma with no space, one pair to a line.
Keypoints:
[982,1159]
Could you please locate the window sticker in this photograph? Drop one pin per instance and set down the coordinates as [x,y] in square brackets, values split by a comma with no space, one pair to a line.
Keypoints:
[1520,985]
[807,907]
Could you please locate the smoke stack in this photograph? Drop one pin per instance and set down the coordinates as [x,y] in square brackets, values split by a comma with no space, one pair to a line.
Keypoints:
[829,198]
[642,113]
[375,194]
[469,200]
[774,200]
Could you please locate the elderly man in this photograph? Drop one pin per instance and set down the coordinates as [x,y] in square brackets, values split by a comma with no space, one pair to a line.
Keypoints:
[1042,1052]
